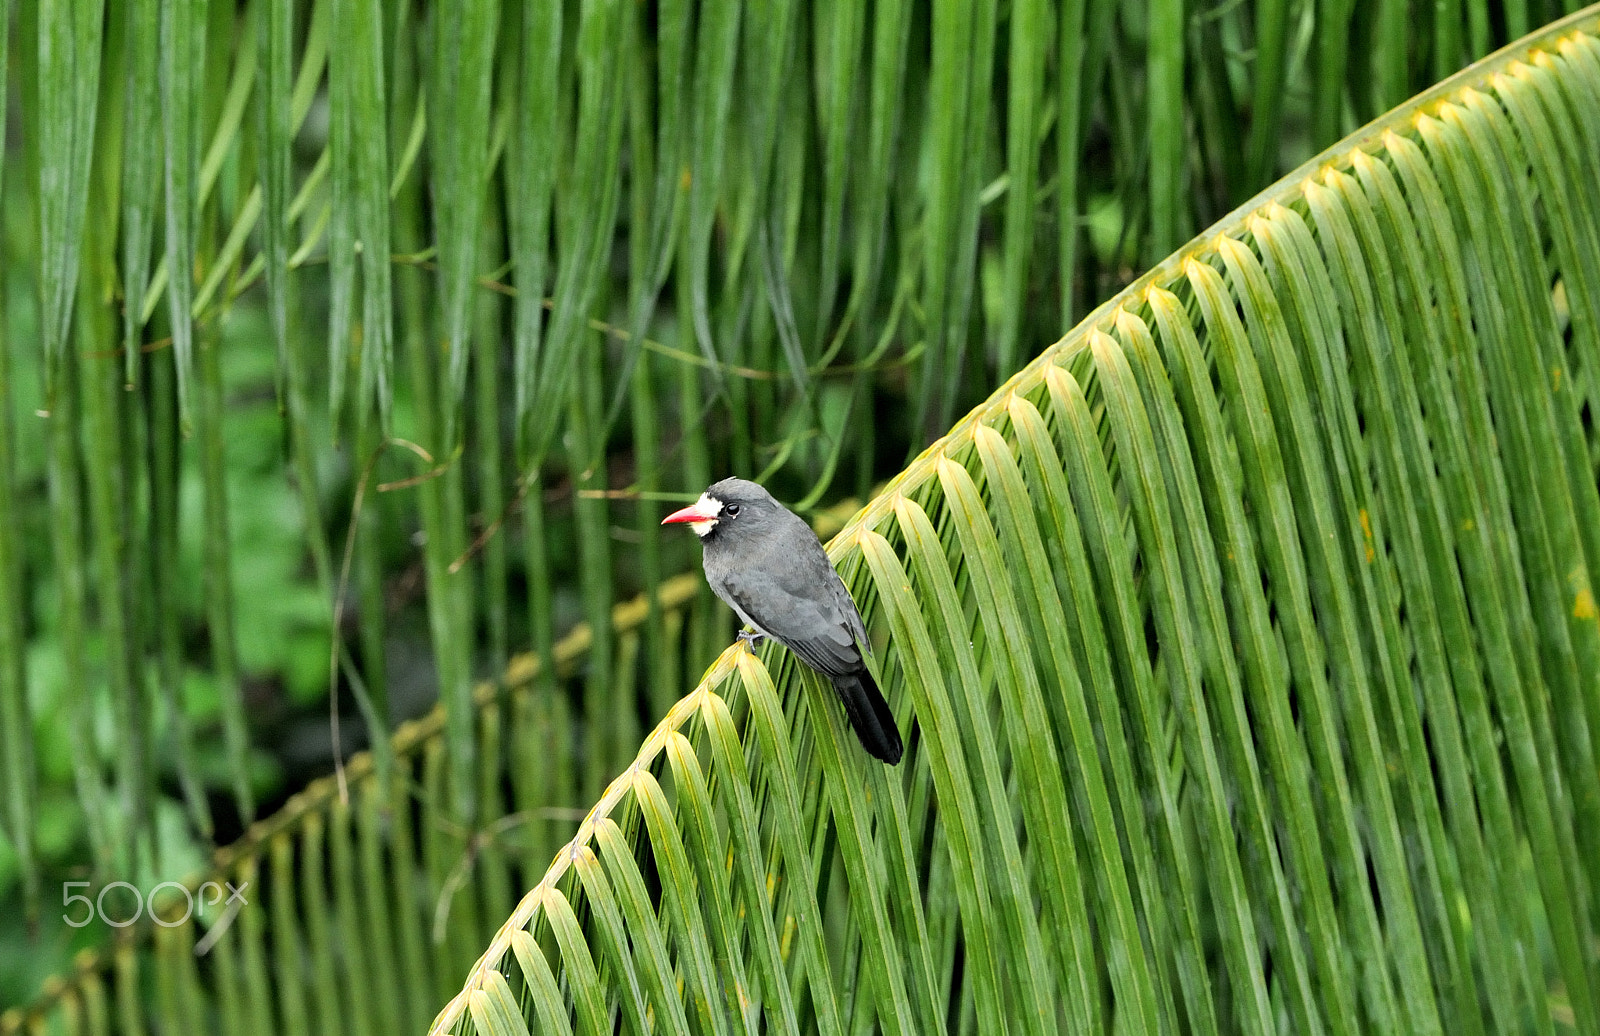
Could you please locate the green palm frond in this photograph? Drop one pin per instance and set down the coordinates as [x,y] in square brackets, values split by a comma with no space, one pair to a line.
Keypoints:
[364,898]
[841,225]
[1250,640]
[244,241]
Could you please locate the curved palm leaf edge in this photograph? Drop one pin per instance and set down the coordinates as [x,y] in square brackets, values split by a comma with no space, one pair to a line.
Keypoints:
[324,805]
[1250,637]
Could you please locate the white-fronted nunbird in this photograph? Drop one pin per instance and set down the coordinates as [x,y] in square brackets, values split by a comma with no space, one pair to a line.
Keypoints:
[767,564]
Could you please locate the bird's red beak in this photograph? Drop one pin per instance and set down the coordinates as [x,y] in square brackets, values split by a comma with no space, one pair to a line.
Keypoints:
[700,511]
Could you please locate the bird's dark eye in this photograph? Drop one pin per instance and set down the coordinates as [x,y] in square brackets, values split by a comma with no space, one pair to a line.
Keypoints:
[732,510]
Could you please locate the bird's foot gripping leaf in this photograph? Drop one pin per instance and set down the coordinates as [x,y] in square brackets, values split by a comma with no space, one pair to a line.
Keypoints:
[751,638]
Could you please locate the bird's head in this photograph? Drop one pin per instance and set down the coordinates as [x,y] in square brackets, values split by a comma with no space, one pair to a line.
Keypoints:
[733,503]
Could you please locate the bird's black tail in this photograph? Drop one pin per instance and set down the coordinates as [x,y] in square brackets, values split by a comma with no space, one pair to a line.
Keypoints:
[869,715]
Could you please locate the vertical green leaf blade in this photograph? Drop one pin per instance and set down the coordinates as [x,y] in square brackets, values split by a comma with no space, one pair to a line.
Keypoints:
[587,197]
[530,172]
[275,133]
[463,64]
[69,88]
[183,49]
[369,123]
[16,728]
[1030,45]
[141,170]
[1168,163]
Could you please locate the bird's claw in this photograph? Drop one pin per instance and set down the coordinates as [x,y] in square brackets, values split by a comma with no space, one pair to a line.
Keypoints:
[751,639]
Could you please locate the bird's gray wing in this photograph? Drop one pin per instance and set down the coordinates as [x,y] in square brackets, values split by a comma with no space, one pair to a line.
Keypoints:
[801,613]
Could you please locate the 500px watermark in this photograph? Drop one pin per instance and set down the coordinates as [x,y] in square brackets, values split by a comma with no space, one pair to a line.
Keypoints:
[208,895]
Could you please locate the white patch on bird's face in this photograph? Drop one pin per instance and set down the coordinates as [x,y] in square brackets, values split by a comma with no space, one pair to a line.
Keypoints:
[710,506]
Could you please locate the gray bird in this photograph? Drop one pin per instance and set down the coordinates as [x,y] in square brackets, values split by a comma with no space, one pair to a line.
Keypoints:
[767,564]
